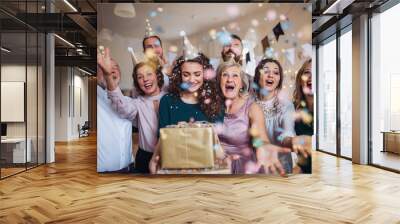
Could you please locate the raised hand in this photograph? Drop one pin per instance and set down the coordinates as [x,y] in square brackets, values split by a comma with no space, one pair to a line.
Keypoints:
[162,60]
[267,156]
[104,61]
[302,145]
[110,69]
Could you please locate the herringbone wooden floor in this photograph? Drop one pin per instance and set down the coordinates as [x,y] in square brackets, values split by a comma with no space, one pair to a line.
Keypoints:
[70,191]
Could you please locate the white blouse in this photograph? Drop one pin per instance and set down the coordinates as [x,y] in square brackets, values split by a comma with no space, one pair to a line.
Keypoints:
[279,119]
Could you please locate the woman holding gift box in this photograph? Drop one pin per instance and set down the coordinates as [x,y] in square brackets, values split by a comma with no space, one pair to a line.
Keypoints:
[192,95]
[242,115]
[148,80]
[278,111]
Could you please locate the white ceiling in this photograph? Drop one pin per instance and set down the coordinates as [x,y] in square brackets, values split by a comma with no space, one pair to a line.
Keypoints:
[190,17]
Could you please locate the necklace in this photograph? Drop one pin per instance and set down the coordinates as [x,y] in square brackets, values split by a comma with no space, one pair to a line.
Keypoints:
[270,111]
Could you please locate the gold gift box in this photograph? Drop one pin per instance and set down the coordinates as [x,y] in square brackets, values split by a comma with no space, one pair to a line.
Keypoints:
[187,147]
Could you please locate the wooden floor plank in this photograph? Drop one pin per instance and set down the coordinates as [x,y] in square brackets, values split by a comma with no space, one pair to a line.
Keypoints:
[71,191]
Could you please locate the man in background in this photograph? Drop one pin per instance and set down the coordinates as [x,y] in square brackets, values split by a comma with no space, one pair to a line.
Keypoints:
[233,51]
[114,134]
[153,44]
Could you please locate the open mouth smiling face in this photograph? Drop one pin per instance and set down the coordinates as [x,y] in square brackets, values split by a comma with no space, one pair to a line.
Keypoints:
[270,77]
[147,80]
[231,82]
[307,81]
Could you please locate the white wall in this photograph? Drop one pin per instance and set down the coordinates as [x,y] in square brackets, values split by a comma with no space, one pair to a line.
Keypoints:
[67,114]
[16,72]
[33,126]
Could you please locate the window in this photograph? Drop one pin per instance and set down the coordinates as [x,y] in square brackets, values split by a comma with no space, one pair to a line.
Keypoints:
[346,93]
[327,96]
[385,88]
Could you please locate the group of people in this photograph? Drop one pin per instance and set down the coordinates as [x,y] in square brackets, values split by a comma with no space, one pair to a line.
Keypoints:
[256,126]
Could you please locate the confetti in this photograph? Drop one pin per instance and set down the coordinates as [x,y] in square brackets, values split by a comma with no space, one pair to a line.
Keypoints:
[185,86]
[307,50]
[233,10]
[182,33]
[209,74]
[207,101]
[160,9]
[282,17]
[251,167]
[216,147]
[264,92]
[232,25]
[173,48]
[271,15]
[265,43]
[149,54]
[157,43]
[278,31]
[286,25]
[254,22]
[302,103]
[224,37]
[290,55]
[257,142]
[254,86]
[159,29]
[300,35]
[269,52]
[307,118]
[228,103]
[192,120]
[153,14]
[213,34]
[284,96]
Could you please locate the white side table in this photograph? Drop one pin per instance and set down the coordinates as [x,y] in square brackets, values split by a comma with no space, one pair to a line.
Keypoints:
[18,145]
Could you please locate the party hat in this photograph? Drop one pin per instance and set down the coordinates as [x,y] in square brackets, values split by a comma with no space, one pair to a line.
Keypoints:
[148,30]
[133,56]
[189,51]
